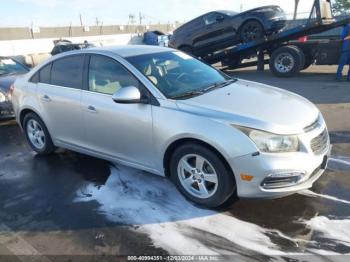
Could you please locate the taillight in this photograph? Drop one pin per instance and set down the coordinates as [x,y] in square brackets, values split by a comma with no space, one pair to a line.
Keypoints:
[302,39]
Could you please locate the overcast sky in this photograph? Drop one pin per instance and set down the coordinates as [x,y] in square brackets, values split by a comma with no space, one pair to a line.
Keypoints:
[63,12]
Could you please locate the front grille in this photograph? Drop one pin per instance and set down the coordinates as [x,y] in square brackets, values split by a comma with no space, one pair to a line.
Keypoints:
[320,143]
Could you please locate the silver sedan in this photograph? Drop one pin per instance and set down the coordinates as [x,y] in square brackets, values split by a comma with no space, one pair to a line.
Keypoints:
[165,112]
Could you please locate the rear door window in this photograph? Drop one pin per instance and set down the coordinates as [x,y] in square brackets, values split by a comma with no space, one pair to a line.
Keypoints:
[68,72]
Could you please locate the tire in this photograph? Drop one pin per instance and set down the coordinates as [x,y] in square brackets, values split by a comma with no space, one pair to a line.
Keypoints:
[37,135]
[287,61]
[186,49]
[216,187]
[309,60]
[251,31]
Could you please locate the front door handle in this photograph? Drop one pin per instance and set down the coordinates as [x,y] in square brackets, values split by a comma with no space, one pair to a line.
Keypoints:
[46,98]
[92,109]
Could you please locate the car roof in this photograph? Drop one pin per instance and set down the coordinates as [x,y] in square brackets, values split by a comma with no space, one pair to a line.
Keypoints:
[121,51]
[132,50]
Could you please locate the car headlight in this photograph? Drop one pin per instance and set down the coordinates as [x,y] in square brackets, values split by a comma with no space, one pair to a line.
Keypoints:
[272,143]
[2,98]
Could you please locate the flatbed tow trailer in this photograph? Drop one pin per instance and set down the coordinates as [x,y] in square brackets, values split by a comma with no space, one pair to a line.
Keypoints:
[285,59]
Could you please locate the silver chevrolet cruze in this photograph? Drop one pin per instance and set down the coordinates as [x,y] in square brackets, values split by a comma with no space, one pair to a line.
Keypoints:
[167,113]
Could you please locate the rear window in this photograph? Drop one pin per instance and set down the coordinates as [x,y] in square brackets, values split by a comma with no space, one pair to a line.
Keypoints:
[68,72]
[44,74]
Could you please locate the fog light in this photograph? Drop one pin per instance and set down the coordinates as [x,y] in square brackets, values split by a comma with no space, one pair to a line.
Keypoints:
[283,179]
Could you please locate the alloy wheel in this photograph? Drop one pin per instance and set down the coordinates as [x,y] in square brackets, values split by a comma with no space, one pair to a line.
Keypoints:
[197,176]
[252,31]
[36,134]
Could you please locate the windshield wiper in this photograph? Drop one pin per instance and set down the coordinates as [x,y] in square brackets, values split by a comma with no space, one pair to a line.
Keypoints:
[203,91]
[188,94]
[219,85]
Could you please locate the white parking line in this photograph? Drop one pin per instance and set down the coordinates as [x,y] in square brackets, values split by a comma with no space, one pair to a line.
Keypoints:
[313,194]
[344,161]
[19,247]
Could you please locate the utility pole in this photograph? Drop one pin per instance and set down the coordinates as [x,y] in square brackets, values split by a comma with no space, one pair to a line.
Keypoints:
[131,19]
[141,17]
[131,22]
[296,5]
[81,20]
[70,29]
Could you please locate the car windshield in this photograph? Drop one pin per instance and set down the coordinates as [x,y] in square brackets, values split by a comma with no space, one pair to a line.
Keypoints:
[229,13]
[9,66]
[178,75]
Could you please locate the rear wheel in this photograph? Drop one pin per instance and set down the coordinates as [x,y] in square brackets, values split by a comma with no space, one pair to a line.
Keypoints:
[37,135]
[287,61]
[251,31]
[201,175]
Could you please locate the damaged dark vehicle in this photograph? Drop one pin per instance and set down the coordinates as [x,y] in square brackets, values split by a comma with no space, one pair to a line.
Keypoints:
[10,69]
[221,29]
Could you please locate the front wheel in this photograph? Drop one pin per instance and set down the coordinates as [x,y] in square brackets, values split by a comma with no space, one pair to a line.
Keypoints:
[37,135]
[201,175]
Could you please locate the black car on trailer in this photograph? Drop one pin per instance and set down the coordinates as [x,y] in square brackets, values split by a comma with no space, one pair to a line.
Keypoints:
[221,29]
[282,51]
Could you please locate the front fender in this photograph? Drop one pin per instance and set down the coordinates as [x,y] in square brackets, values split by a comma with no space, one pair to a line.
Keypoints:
[172,125]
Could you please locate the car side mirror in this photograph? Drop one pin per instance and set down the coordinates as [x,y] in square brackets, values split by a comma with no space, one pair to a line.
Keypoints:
[220,18]
[129,95]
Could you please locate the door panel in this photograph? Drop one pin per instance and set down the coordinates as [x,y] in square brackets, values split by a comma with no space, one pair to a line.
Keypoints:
[122,131]
[59,94]
[215,32]
[62,112]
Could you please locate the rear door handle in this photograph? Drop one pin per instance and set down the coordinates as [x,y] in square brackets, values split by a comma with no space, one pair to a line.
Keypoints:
[92,109]
[46,98]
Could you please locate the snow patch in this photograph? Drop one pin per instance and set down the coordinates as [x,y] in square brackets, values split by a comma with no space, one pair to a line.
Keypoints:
[153,206]
[335,230]
[134,198]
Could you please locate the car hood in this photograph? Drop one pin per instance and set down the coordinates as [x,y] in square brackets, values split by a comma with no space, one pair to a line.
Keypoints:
[255,105]
[6,82]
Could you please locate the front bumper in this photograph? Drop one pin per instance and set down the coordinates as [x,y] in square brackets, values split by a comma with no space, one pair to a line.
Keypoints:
[6,110]
[259,167]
